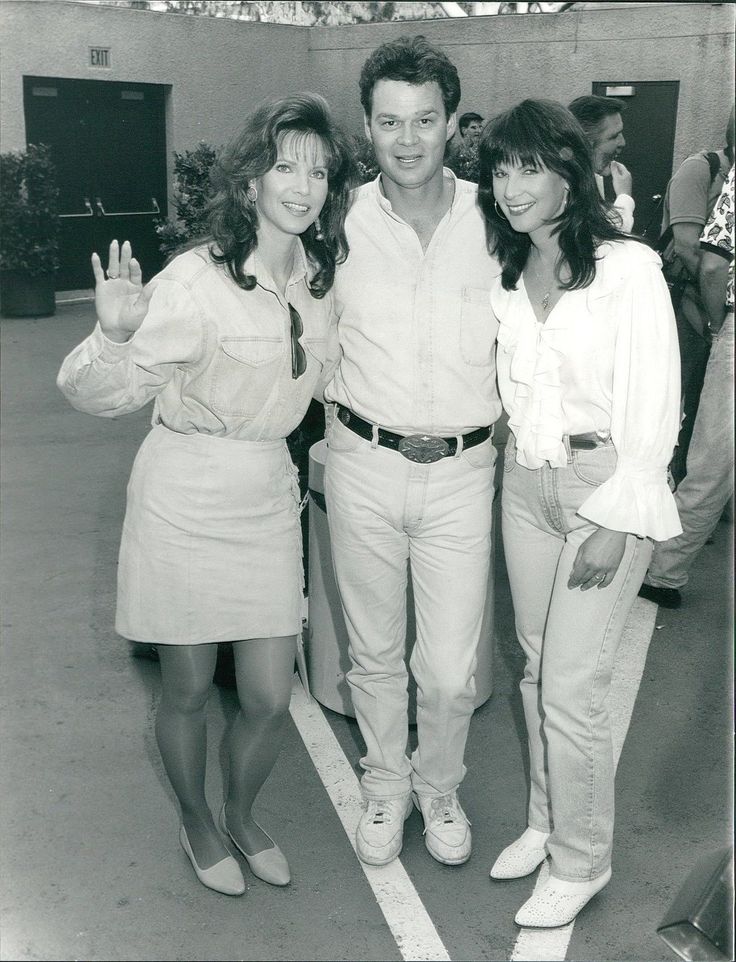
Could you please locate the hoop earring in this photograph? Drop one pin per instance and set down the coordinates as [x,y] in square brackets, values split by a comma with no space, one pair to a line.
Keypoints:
[252,193]
[499,211]
[318,234]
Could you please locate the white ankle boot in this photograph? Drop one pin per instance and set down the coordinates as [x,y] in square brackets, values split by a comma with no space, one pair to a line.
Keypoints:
[558,902]
[522,856]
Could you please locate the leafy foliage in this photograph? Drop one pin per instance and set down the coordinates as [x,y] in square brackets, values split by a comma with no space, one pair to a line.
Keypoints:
[364,156]
[29,211]
[309,13]
[192,190]
[463,161]
[329,14]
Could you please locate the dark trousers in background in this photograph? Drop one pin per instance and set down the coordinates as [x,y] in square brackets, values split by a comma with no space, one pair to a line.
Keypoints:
[694,351]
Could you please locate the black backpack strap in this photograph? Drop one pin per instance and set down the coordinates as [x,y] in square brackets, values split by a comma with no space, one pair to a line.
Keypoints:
[714,162]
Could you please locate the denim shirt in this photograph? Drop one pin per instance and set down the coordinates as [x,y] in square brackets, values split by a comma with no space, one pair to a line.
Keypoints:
[416,330]
[216,358]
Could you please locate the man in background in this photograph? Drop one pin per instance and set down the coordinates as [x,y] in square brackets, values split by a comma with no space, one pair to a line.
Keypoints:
[708,484]
[600,118]
[470,126]
[688,201]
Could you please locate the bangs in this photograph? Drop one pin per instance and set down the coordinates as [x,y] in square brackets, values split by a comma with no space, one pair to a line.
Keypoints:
[306,145]
[503,155]
[523,137]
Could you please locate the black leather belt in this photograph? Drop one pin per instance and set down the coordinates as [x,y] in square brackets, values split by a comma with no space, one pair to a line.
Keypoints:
[422,448]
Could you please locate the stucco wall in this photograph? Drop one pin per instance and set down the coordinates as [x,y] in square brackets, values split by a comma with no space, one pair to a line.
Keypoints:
[217,69]
[503,59]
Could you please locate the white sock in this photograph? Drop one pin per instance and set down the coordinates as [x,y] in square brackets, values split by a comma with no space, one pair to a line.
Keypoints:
[534,838]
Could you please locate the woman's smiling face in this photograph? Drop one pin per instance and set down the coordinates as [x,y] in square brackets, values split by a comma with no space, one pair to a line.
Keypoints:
[293,192]
[529,195]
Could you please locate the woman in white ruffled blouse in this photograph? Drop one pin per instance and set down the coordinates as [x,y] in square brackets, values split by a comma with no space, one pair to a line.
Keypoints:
[588,371]
[230,341]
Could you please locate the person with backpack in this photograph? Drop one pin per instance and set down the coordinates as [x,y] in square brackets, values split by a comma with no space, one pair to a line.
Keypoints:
[688,202]
[708,485]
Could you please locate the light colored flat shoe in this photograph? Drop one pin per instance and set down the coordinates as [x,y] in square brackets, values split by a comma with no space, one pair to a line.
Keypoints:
[521,857]
[270,865]
[225,876]
[558,902]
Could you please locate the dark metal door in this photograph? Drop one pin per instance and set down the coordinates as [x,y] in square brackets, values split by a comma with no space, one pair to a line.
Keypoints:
[649,120]
[108,141]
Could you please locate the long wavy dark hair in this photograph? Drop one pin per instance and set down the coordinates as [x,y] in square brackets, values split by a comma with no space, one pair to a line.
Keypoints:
[233,219]
[544,133]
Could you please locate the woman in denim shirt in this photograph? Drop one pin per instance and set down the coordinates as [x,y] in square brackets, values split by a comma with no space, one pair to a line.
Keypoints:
[588,372]
[230,340]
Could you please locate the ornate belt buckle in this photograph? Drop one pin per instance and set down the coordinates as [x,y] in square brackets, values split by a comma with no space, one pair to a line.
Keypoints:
[424,448]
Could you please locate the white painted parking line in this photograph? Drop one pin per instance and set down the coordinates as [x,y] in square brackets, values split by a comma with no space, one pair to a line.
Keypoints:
[550,945]
[405,914]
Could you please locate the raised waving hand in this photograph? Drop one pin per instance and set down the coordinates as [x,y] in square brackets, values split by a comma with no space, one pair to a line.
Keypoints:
[121,300]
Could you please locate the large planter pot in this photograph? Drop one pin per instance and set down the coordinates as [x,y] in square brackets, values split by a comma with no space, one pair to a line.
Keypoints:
[26,295]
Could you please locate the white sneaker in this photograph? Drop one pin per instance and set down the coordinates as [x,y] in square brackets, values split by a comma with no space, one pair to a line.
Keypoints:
[558,902]
[446,828]
[522,856]
[380,833]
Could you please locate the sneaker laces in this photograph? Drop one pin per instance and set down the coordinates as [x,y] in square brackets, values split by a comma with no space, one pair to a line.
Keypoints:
[446,810]
[381,811]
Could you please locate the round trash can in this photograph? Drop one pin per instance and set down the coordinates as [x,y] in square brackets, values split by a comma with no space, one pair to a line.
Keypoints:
[327,655]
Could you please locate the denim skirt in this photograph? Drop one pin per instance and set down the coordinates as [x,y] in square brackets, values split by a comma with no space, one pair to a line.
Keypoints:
[211,546]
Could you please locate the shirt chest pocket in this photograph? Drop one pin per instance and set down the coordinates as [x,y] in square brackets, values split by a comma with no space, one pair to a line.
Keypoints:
[477,326]
[245,371]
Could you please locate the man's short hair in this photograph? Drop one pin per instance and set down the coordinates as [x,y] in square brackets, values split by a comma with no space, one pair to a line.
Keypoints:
[467,119]
[590,111]
[414,60]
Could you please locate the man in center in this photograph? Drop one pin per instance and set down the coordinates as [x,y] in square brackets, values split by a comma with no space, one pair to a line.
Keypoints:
[409,474]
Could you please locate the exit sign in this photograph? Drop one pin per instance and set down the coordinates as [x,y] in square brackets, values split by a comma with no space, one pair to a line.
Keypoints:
[100,57]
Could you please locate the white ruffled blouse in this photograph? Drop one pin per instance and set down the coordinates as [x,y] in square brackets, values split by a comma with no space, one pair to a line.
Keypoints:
[606,360]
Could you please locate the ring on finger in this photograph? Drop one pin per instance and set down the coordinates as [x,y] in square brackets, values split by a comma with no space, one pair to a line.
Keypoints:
[112,277]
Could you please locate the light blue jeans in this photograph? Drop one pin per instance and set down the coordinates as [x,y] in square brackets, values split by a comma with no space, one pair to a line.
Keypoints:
[708,485]
[570,639]
[385,511]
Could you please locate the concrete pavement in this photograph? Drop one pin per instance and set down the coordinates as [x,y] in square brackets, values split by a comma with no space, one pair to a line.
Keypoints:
[91,867]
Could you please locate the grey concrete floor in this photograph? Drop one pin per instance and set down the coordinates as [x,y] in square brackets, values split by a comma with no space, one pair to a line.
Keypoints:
[90,863]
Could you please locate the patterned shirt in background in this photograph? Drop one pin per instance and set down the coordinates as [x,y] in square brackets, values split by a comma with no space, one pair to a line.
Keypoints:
[718,236]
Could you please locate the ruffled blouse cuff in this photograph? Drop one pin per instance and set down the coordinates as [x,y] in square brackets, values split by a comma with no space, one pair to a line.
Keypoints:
[636,499]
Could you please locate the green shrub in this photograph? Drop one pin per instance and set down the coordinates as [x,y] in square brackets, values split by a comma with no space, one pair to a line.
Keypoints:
[366,165]
[29,211]
[463,161]
[192,190]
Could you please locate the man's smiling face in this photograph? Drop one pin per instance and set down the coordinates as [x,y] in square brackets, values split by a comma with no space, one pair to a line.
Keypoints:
[409,128]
